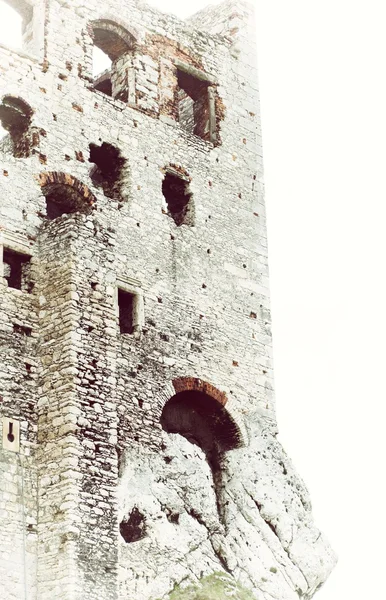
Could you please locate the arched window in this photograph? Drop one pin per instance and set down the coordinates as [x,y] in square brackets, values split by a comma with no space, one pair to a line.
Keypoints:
[65,195]
[16,23]
[113,69]
[15,120]
[202,420]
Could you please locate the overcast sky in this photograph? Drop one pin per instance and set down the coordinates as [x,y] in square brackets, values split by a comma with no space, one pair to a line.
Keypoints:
[323,98]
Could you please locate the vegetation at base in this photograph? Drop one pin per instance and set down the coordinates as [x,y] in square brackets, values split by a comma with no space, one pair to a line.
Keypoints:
[218,586]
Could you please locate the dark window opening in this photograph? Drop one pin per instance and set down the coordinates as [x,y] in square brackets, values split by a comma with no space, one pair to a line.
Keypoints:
[203,421]
[134,528]
[112,60]
[15,119]
[126,311]
[16,270]
[178,198]
[107,172]
[22,329]
[103,84]
[62,200]
[196,112]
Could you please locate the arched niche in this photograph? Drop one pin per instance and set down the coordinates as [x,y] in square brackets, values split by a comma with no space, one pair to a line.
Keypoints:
[65,194]
[15,119]
[113,69]
[198,412]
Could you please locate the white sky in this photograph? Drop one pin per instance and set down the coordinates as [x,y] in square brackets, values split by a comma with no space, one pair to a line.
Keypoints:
[323,98]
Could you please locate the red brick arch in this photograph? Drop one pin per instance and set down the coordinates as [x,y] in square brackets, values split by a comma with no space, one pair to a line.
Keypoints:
[17,103]
[185,384]
[112,37]
[52,178]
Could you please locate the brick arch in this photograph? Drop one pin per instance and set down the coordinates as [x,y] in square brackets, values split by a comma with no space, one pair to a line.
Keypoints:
[112,36]
[195,384]
[17,103]
[127,30]
[54,178]
[16,118]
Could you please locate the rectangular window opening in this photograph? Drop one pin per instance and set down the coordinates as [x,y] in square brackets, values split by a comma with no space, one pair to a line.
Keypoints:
[16,270]
[103,83]
[196,112]
[126,311]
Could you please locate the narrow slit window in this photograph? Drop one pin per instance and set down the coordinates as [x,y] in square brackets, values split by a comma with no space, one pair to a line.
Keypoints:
[16,270]
[126,311]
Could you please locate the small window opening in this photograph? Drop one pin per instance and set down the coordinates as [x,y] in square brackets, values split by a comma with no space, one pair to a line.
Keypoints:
[134,528]
[17,270]
[126,311]
[195,110]
[175,189]
[15,120]
[22,329]
[113,69]
[62,200]
[107,170]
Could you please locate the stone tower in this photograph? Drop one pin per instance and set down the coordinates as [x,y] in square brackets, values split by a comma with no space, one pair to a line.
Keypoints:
[139,457]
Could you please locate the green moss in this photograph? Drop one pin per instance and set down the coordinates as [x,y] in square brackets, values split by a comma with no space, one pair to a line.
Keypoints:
[213,587]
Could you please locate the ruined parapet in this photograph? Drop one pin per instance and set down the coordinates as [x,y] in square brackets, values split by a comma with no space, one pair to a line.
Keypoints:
[139,451]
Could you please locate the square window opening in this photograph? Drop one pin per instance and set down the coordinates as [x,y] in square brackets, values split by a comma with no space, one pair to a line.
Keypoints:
[17,270]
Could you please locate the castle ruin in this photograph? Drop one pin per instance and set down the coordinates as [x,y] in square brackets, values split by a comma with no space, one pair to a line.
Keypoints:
[139,457]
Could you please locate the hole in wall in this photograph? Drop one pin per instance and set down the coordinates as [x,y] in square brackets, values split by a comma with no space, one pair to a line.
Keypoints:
[178,196]
[22,329]
[108,169]
[133,528]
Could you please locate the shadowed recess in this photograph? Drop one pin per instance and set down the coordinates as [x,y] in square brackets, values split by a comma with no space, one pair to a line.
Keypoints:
[63,199]
[107,172]
[202,421]
[133,528]
[176,192]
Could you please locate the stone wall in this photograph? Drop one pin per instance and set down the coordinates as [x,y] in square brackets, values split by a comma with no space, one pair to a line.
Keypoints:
[138,293]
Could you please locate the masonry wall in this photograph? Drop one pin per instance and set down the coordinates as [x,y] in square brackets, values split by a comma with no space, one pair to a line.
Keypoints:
[94,460]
